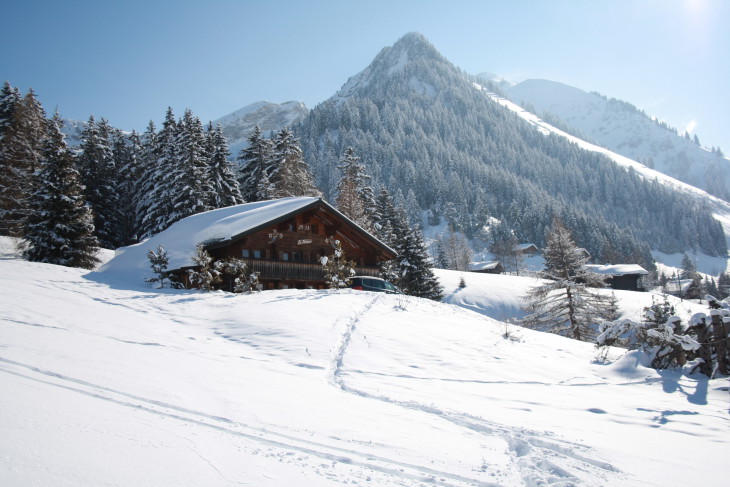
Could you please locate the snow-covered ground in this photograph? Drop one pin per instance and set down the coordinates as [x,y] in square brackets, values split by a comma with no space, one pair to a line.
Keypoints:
[102,383]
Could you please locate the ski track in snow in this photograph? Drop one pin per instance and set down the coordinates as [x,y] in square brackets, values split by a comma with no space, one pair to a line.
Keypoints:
[535,459]
[400,472]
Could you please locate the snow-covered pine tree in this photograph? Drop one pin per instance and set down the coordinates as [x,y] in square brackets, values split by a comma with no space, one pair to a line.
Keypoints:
[416,275]
[191,189]
[291,175]
[59,228]
[9,191]
[159,262]
[563,303]
[355,197]
[411,271]
[207,276]
[99,176]
[383,217]
[236,269]
[128,157]
[225,191]
[145,188]
[160,211]
[20,151]
[254,160]
[337,268]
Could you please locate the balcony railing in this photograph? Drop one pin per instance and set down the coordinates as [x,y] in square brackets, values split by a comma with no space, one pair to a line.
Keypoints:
[296,271]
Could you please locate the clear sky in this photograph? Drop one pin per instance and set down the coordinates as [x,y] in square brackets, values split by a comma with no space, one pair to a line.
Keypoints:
[128,60]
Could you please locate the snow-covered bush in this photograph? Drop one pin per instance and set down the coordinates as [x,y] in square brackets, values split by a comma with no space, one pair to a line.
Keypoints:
[159,262]
[661,336]
[208,276]
[236,269]
[337,269]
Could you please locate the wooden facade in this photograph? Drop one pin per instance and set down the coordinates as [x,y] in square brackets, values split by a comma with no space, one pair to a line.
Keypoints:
[287,251]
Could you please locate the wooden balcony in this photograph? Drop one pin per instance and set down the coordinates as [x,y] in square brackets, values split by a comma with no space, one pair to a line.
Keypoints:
[295,271]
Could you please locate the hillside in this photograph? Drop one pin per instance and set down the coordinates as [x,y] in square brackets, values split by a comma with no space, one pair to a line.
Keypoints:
[107,384]
[622,128]
[426,131]
[270,117]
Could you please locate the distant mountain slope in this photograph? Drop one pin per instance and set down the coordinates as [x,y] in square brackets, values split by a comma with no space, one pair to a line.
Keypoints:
[425,130]
[270,117]
[622,128]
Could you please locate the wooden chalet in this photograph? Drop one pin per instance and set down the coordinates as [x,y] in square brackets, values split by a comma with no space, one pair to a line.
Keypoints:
[628,277]
[284,240]
[490,267]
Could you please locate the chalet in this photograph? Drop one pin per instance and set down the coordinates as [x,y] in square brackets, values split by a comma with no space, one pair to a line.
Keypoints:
[627,277]
[284,240]
[490,267]
[526,249]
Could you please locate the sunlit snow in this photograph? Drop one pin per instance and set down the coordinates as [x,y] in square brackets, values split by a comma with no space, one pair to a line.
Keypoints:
[103,382]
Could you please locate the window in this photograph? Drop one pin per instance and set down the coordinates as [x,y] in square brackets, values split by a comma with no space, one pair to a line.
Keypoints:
[256,254]
[314,228]
[298,257]
[246,253]
[292,227]
[285,256]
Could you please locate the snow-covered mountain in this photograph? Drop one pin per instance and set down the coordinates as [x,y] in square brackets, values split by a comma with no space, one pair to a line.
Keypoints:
[270,117]
[622,128]
[426,131]
[107,383]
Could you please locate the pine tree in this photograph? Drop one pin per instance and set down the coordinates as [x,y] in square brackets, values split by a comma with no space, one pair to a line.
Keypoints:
[149,181]
[291,175]
[9,190]
[337,268]
[411,271]
[20,151]
[99,177]
[160,213]
[563,303]
[159,262]
[225,191]
[254,161]
[207,276]
[354,194]
[190,186]
[128,153]
[416,272]
[59,229]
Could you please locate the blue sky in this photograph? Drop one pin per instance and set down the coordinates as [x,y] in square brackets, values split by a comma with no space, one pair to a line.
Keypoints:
[129,60]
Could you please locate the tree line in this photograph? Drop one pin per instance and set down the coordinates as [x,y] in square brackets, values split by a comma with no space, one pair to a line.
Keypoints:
[116,189]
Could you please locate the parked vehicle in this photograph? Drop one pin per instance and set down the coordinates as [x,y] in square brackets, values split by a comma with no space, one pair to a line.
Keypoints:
[366,283]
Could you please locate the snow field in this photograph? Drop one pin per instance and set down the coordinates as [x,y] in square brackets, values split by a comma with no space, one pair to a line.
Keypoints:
[101,384]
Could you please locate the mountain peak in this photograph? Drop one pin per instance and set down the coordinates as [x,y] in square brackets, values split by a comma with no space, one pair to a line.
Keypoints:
[412,47]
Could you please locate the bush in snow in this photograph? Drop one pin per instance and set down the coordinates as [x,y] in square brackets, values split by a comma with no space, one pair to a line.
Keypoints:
[670,343]
[159,262]
[236,269]
[337,269]
[209,276]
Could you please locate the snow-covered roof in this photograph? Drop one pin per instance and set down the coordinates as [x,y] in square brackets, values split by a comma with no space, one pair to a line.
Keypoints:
[618,269]
[684,285]
[483,266]
[182,237]
[526,247]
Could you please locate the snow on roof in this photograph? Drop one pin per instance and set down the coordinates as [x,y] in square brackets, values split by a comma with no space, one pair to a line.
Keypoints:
[618,269]
[182,237]
[483,266]
[526,246]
